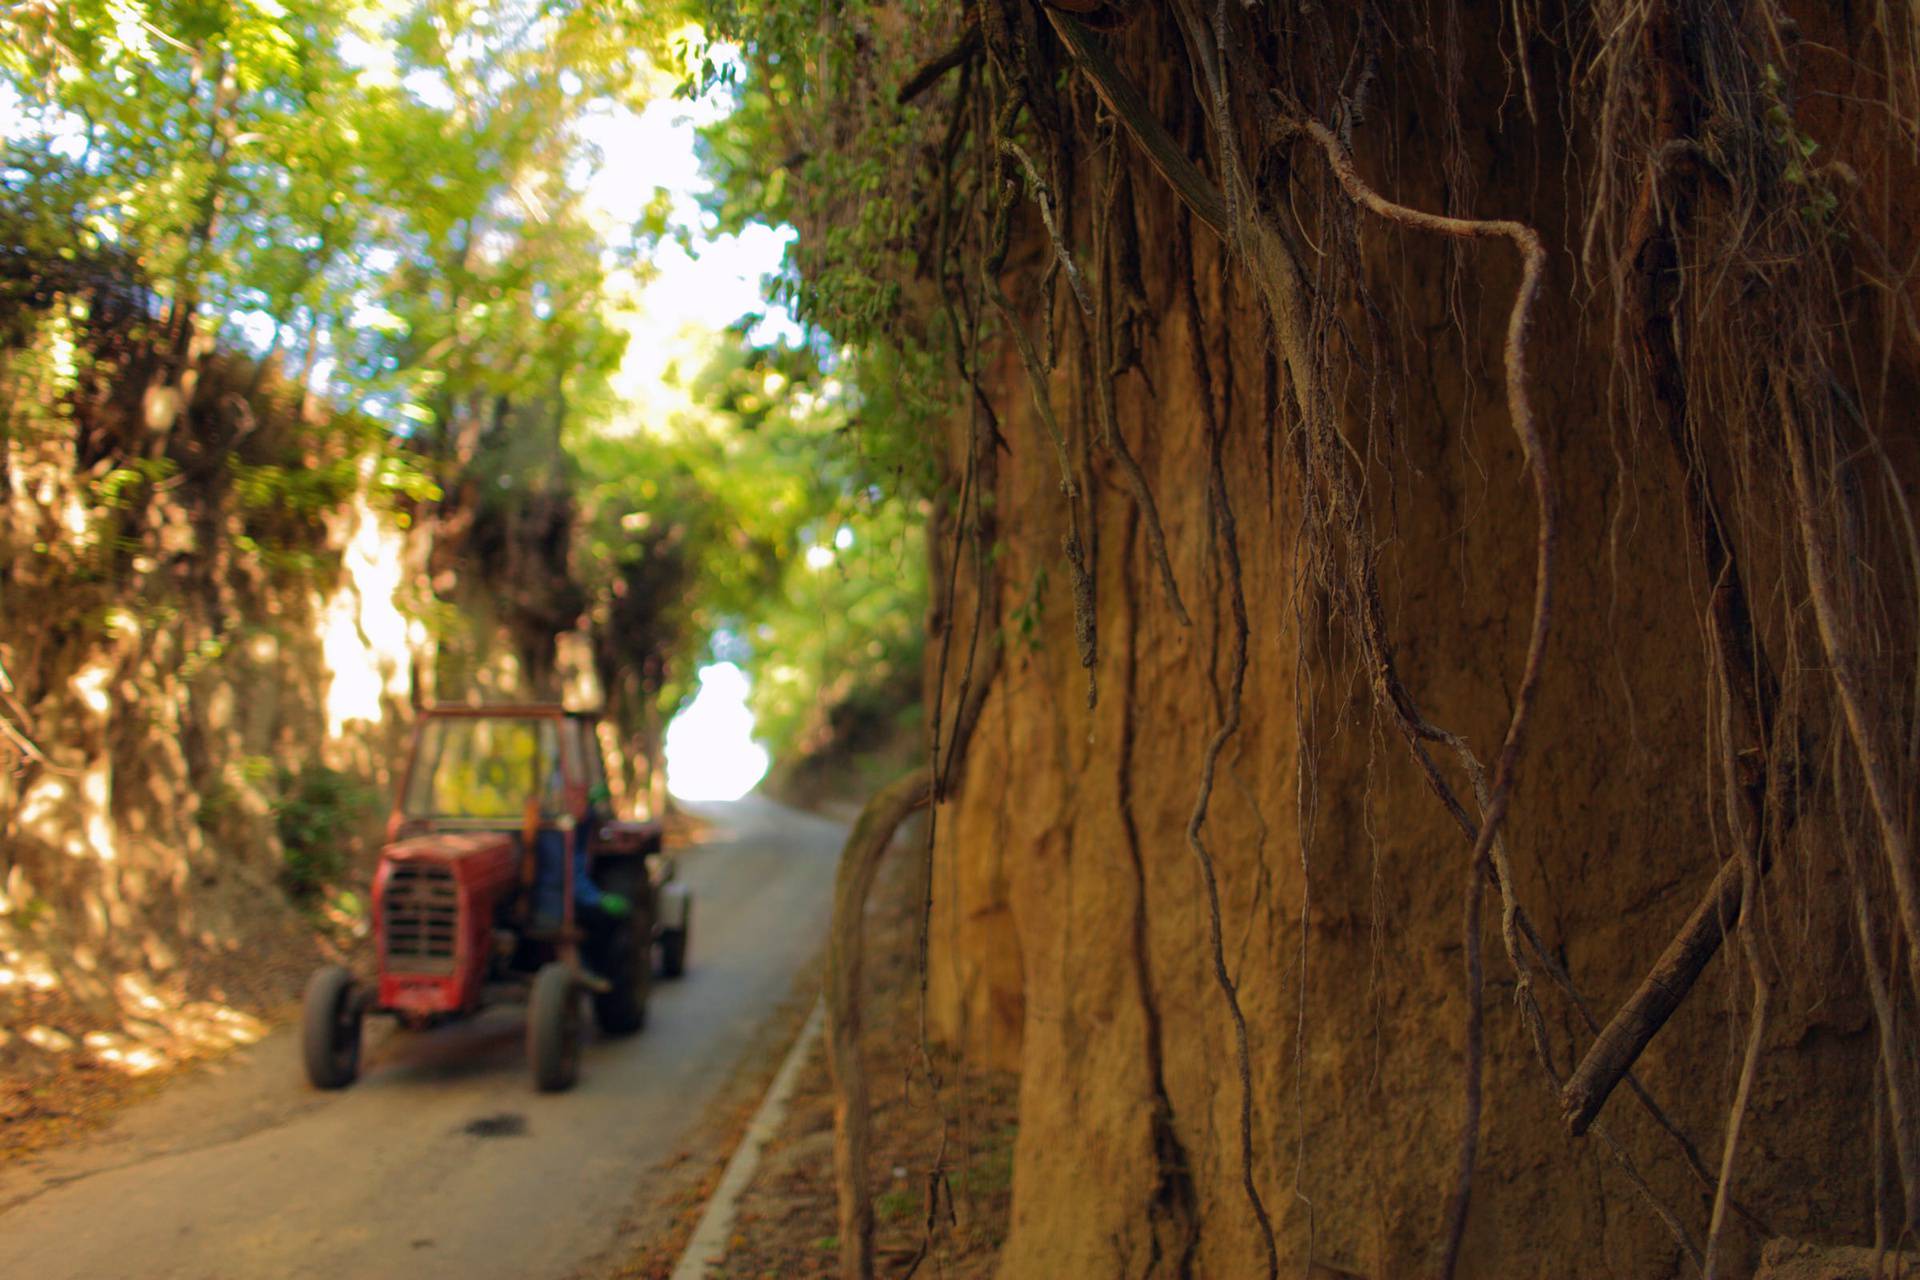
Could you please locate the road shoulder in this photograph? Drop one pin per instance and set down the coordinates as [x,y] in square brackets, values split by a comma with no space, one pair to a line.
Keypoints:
[786,1220]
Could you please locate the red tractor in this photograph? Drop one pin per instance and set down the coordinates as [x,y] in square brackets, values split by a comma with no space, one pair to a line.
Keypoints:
[505,877]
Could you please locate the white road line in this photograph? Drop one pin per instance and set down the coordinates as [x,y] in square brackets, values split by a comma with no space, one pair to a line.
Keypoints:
[708,1247]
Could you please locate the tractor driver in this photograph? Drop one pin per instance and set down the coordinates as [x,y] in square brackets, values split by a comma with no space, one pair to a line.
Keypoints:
[595,909]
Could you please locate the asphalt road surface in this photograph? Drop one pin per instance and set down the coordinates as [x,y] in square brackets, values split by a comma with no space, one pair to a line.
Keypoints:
[442,1160]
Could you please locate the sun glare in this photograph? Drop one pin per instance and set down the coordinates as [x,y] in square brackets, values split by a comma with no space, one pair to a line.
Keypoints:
[364,636]
[711,754]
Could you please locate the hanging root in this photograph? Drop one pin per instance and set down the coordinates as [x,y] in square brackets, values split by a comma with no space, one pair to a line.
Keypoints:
[1520,419]
[1234,217]
[860,858]
[871,837]
[1835,606]
[1044,198]
[1749,1067]
[1085,621]
[1229,551]
[1668,983]
[1036,371]
[1174,1203]
[1105,372]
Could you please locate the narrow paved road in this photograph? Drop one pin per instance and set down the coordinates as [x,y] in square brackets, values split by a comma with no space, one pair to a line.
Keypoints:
[442,1160]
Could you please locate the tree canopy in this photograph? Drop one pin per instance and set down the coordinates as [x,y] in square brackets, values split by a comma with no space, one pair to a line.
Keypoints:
[388,201]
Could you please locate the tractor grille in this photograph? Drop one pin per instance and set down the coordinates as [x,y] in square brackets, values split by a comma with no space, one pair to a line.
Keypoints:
[421,917]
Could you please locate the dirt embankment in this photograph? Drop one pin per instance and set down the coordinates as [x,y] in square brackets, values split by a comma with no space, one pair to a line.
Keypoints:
[1071,920]
[167,678]
[200,653]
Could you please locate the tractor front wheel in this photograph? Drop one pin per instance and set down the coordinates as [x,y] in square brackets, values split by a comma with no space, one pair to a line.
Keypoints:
[553,1028]
[330,1023]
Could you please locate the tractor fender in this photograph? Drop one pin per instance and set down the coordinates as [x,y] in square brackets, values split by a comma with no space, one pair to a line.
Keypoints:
[673,904]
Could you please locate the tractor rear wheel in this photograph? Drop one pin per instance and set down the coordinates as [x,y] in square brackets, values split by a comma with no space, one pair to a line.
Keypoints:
[330,1022]
[628,965]
[673,946]
[553,1028]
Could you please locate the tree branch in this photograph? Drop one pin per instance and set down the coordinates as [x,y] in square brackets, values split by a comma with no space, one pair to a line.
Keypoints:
[929,75]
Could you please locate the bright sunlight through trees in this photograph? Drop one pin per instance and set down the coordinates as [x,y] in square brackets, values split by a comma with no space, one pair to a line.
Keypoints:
[711,754]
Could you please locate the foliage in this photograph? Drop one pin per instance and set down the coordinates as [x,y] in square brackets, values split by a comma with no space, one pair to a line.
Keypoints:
[855,172]
[383,187]
[746,496]
[381,203]
[800,502]
[316,811]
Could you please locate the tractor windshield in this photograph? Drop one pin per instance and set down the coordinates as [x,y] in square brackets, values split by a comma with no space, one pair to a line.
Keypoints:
[485,769]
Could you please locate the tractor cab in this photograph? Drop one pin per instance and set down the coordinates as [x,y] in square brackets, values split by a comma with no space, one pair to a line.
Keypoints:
[506,875]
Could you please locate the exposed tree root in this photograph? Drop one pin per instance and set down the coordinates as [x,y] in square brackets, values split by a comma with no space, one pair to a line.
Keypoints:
[860,859]
[1232,212]
[1085,623]
[964,50]
[1107,261]
[1173,1209]
[1228,548]
[1835,606]
[872,835]
[1640,1018]
[1520,417]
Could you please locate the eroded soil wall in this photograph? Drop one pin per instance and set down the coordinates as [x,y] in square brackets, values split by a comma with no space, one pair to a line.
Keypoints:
[1070,922]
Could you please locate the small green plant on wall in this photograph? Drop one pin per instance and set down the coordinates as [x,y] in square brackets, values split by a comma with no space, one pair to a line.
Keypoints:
[316,812]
